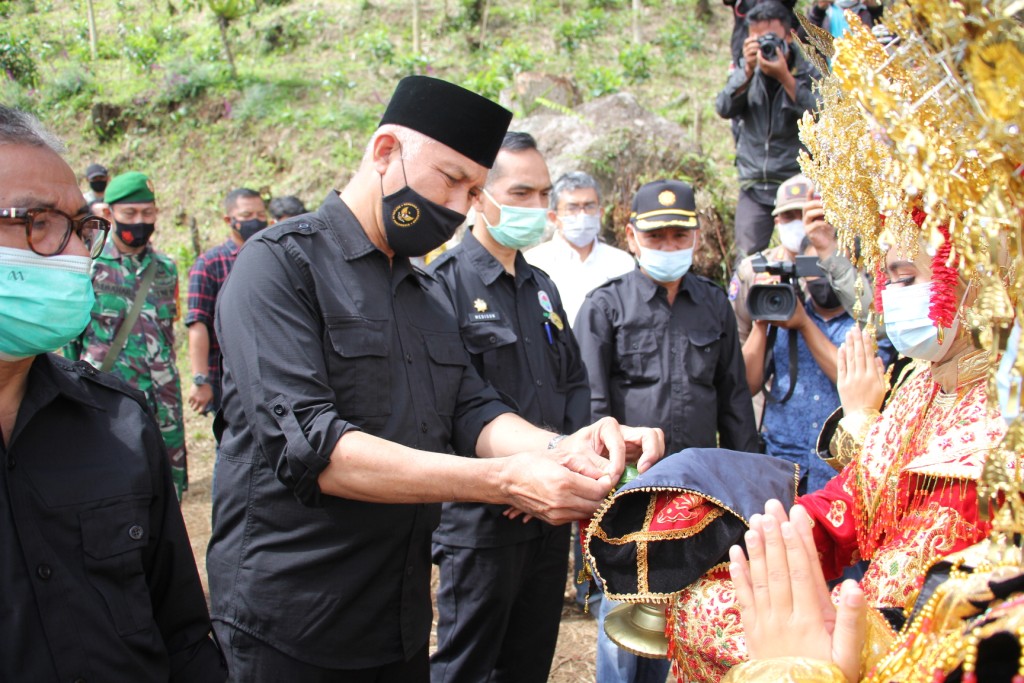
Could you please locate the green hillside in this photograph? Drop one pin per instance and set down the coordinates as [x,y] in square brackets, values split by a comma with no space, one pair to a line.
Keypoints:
[313,76]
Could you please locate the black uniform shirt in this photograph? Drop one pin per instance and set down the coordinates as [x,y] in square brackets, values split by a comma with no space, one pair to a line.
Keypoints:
[505,323]
[99,582]
[320,335]
[679,368]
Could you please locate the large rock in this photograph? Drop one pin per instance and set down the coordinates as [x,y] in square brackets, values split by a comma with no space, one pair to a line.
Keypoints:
[615,140]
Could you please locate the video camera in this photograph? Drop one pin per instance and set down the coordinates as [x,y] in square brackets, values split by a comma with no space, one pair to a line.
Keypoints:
[776,303]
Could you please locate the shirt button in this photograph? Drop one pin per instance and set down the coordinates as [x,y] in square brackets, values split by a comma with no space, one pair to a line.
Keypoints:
[814,424]
[408,570]
[136,532]
[526,339]
[816,397]
[44,572]
[636,346]
[423,427]
[492,339]
[539,383]
[11,462]
[408,358]
[279,410]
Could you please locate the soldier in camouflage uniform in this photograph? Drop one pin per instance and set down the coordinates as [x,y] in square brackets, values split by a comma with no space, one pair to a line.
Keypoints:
[147,360]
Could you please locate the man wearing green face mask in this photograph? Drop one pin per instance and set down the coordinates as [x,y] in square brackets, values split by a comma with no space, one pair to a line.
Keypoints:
[500,596]
[131,333]
[98,574]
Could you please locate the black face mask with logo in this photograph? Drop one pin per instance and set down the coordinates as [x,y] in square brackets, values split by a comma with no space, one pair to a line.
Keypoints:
[248,228]
[134,234]
[98,185]
[822,293]
[413,224]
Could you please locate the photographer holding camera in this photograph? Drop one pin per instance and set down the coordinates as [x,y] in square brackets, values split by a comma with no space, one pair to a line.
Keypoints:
[769,94]
[798,357]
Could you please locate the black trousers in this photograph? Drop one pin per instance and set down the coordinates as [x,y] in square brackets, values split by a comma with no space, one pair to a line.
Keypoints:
[498,610]
[250,660]
[754,225]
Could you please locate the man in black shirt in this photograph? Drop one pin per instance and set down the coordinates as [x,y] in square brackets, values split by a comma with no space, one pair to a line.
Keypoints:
[99,582]
[501,581]
[346,386]
[661,346]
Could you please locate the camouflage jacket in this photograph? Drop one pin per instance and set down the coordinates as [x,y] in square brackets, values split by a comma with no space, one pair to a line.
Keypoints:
[147,360]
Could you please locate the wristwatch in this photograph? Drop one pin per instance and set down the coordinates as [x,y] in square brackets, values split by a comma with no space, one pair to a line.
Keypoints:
[199,380]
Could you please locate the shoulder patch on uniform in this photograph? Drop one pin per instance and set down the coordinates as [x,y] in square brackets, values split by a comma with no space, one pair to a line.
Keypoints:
[104,379]
[734,287]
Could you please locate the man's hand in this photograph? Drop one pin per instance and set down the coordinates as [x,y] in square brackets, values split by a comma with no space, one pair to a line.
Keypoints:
[600,451]
[200,397]
[618,443]
[751,50]
[784,601]
[540,487]
[860,374]
[820,232]
[797,321]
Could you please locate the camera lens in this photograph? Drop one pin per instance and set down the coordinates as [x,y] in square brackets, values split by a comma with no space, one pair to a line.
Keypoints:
[773,303]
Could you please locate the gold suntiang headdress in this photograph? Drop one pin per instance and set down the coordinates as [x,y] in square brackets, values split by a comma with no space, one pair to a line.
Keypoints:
[921,138]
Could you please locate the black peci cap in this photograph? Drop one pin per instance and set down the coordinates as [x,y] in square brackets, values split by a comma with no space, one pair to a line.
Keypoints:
[664,203]
[468,123]
[95,170]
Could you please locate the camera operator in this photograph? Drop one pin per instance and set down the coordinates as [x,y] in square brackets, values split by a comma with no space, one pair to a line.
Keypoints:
[800,401]
[788,217]
[769,95]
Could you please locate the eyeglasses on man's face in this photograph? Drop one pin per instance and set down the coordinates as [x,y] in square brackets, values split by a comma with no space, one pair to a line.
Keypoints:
[590,208]
[48,230]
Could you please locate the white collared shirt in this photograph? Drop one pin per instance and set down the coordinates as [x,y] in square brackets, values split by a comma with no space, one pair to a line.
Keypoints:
[575,277]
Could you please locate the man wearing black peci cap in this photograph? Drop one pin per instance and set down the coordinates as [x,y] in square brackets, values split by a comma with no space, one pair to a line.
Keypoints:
[346,389]
[661,347]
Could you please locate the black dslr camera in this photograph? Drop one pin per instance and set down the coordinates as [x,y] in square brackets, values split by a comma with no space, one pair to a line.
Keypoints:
[768,44]
[776,303]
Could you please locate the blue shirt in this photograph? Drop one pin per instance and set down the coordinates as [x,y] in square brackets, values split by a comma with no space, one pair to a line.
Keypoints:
[790,429]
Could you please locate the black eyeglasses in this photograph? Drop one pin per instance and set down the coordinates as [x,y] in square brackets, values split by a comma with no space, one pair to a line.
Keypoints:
[48,230]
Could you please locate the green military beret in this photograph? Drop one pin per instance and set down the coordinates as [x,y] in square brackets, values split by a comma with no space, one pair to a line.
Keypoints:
[132,187]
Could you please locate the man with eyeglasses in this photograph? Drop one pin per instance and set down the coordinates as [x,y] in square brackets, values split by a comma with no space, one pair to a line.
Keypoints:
[575,258]
[131,333]
[98,574]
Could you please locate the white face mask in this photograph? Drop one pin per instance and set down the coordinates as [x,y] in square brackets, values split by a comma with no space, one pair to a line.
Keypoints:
[908,326]
[665,266]
[791,235]
[580,229]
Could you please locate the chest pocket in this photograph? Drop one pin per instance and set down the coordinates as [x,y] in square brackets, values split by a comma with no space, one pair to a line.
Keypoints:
[163,297]
[358,367]
[113,539]
[702,350]
[487,344]
[447,364]
[638,355]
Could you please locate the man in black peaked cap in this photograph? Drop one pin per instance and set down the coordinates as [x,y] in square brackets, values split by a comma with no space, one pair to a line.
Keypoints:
[346,391]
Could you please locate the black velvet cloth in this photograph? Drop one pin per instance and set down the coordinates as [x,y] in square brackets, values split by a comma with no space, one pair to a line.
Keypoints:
[739,483]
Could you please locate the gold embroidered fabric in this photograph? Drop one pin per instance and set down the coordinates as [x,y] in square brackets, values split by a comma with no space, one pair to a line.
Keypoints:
[848,439]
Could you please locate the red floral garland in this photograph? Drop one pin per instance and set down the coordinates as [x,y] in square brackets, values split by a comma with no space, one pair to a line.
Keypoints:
[944,277]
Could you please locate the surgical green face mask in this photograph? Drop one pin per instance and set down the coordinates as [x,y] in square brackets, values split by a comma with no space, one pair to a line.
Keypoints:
[518,227]
[45,301]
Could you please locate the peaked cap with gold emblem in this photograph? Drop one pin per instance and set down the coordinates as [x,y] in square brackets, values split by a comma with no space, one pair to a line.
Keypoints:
[664,203]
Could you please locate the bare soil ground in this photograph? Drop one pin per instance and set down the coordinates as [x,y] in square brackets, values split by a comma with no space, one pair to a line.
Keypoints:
[577,636]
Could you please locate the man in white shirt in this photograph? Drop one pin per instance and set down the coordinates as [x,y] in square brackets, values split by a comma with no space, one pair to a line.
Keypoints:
[575,258]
